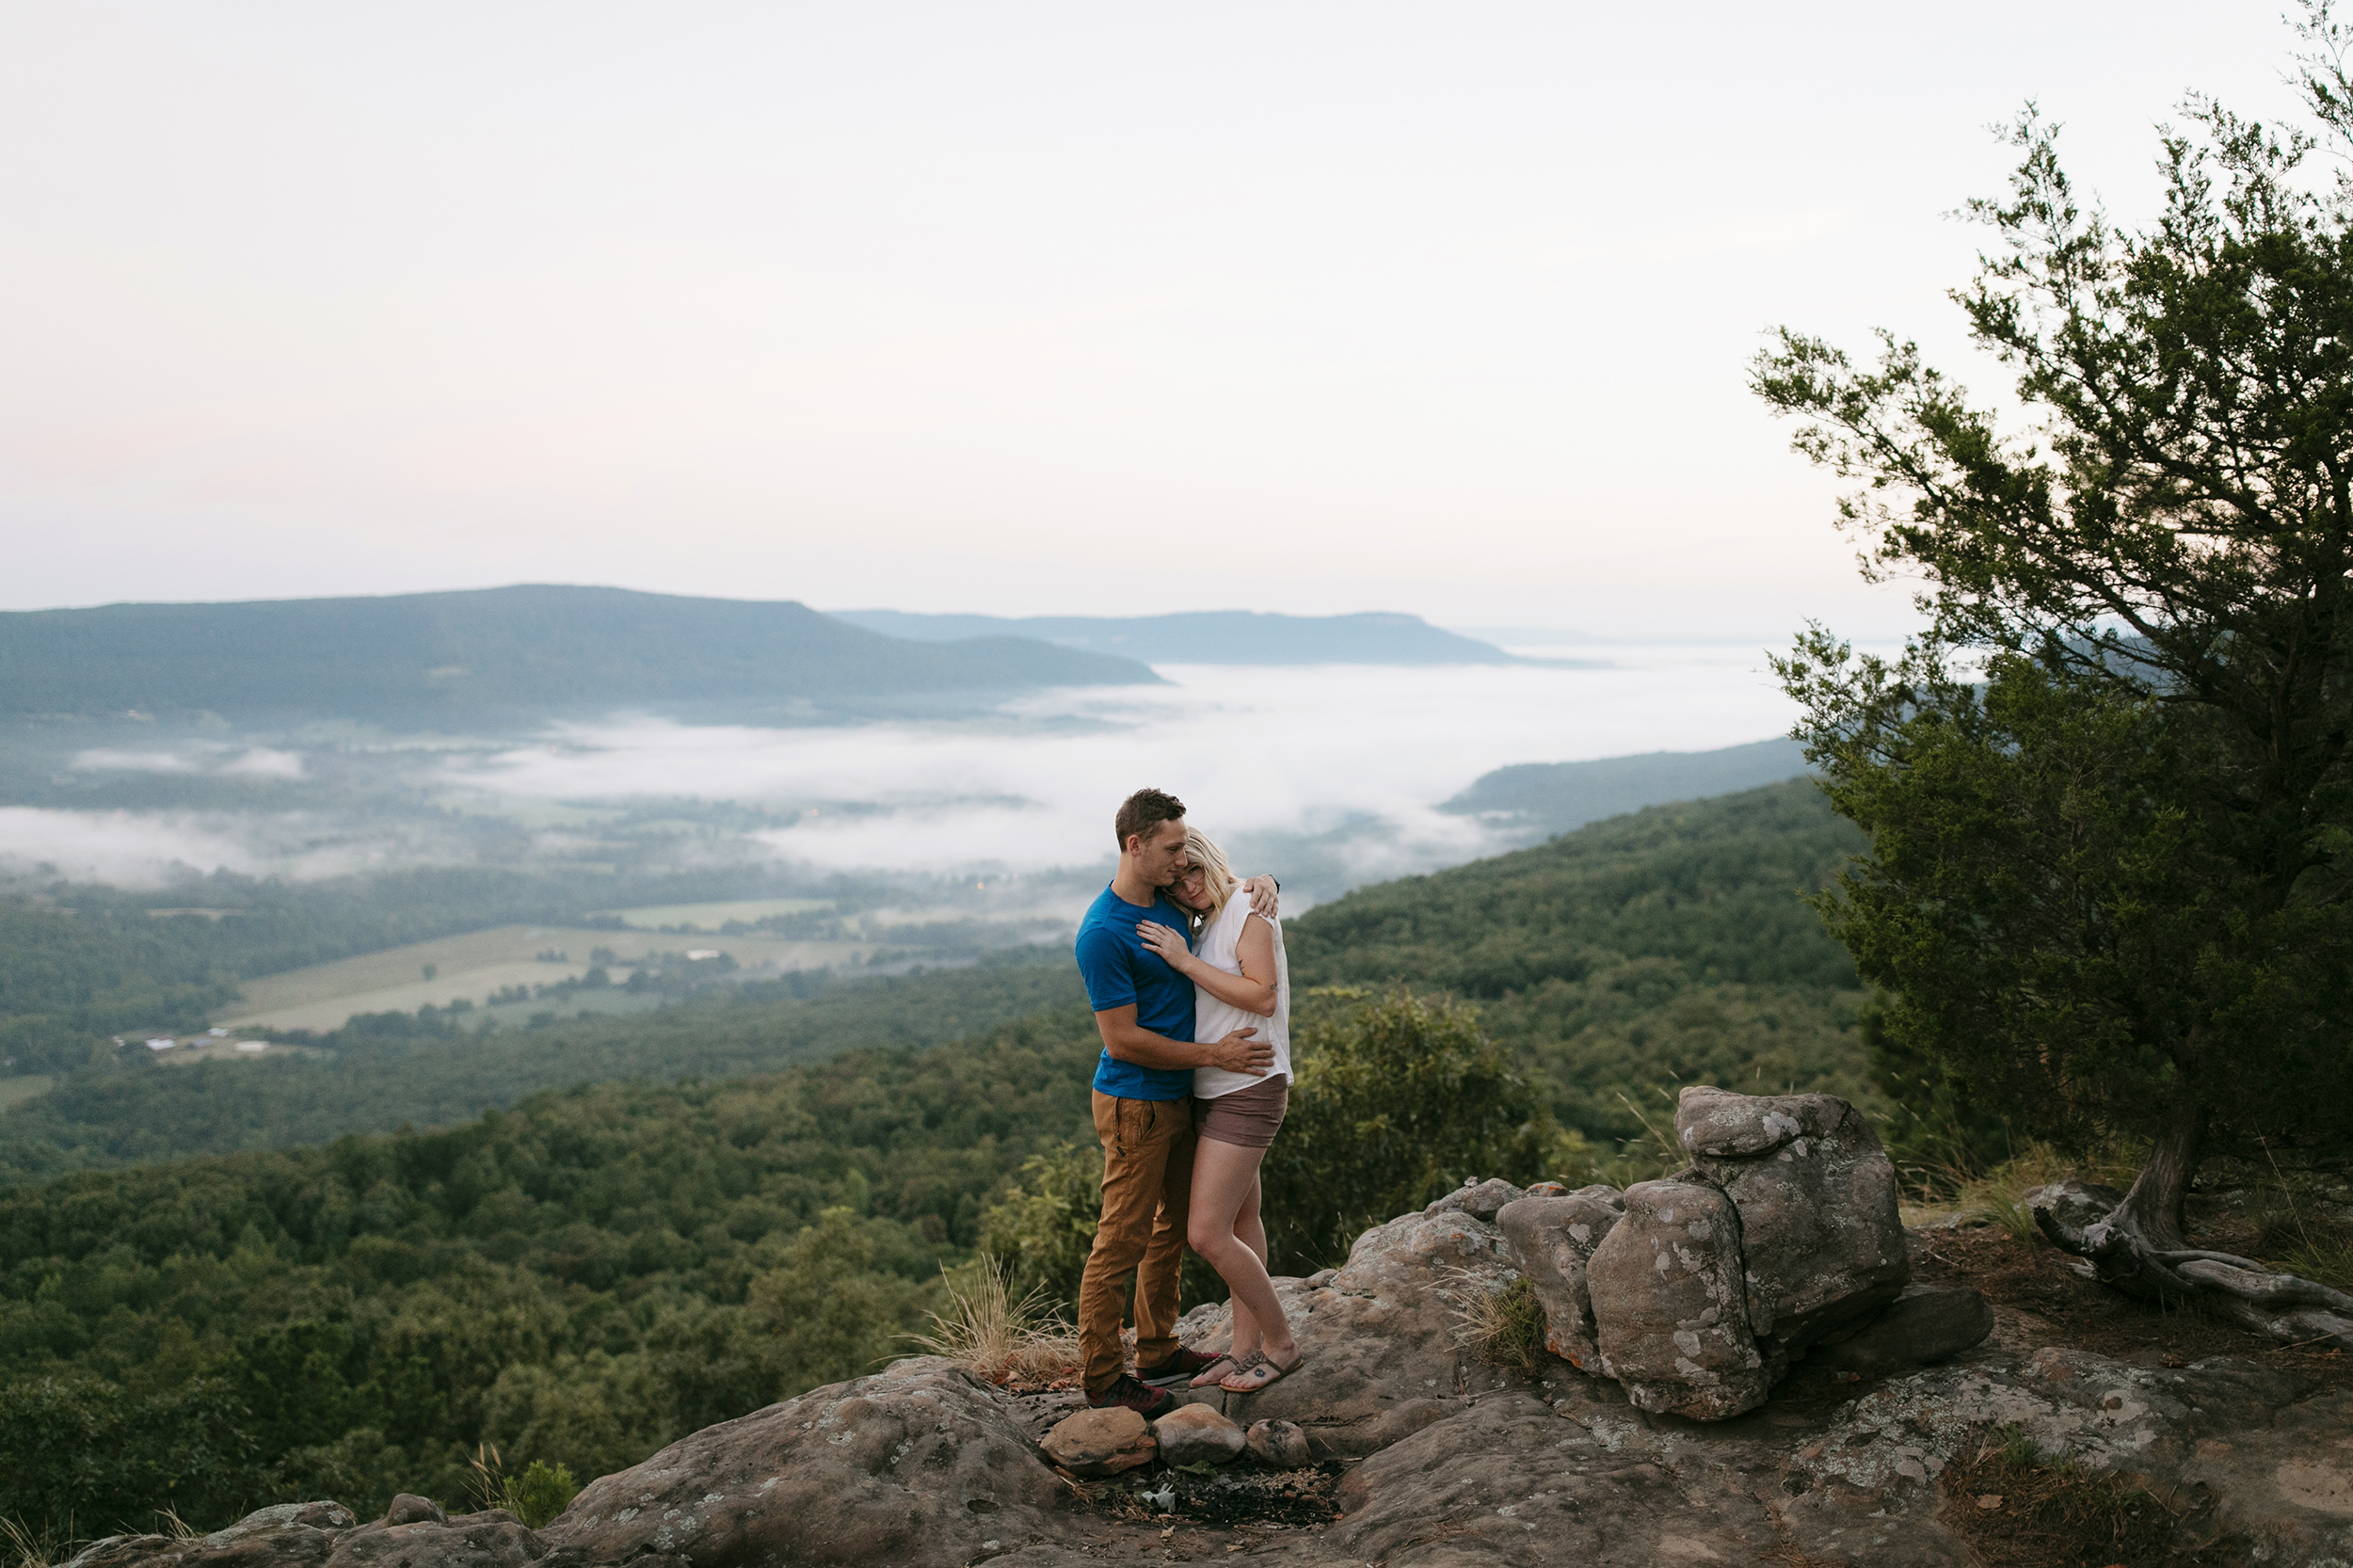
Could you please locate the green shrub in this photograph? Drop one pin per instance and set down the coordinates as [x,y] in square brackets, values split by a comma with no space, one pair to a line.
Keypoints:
[1398,1099]
[1042,1229]
[540,1493]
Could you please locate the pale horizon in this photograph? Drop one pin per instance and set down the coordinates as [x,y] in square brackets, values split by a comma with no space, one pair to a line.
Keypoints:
[1036,309]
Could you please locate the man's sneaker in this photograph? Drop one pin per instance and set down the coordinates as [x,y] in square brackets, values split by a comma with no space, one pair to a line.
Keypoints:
[1180,1367]
[1150,1403]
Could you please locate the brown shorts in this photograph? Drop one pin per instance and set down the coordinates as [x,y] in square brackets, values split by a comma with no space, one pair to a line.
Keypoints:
[1247,1117]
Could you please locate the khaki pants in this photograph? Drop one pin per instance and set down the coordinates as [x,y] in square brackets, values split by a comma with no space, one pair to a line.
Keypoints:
[1148,1185]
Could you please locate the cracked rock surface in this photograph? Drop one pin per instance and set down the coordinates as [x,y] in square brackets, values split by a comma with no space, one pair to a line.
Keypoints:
[917,1465]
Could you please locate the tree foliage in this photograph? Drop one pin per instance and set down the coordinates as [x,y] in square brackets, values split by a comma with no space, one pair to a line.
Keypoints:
[1397,1100]
[2108,789]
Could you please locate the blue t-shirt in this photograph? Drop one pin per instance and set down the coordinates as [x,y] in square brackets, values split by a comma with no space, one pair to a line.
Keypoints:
[1118,969]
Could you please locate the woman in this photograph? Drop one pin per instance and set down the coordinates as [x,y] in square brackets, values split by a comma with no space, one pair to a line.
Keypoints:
[1239,980]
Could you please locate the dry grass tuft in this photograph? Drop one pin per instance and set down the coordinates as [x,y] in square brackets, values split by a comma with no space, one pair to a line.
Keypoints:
[1001,1339]
[1505,1326]
[1998,1195]
[21,1547]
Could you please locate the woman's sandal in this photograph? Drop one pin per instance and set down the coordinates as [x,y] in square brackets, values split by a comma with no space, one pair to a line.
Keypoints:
[1223,1366]
[1257,1371]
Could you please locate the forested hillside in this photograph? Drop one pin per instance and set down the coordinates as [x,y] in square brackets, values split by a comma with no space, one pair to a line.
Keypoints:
[1663,948]
[1557,798]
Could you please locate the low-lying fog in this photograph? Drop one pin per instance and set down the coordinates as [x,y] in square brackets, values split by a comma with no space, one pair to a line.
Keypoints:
[1332,774]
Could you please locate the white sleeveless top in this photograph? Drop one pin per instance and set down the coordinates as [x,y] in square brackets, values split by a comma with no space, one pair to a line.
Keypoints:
[1213,1019]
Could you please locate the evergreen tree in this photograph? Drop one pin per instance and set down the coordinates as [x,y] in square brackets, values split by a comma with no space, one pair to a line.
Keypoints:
[2109,791]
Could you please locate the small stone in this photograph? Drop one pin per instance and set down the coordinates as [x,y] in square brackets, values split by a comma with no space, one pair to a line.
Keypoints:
[409,1509]
[1989,1501]
[1100,1442]
[1548,1190]
[1196,1435]
[1279,1444]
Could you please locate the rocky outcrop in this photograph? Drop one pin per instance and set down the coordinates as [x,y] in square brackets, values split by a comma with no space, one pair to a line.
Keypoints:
[1441,1458]
[1577,1475]
[1697,1292]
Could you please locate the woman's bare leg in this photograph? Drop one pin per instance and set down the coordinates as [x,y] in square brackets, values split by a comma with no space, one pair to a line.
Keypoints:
[1226,1229]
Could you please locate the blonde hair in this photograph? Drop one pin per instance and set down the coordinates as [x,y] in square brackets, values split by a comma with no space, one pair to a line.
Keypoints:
[1217,878]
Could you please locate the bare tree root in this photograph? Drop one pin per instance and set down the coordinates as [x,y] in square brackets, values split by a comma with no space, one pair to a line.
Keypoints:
[2287,1307]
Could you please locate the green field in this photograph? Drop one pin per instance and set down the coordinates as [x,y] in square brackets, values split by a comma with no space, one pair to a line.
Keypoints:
[16,1091]
[711,916]
[473,966]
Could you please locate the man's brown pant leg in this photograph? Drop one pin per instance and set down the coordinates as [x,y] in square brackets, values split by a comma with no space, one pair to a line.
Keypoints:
[1148,1180]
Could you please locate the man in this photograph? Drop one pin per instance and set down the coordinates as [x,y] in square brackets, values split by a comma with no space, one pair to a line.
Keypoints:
[1143,1109]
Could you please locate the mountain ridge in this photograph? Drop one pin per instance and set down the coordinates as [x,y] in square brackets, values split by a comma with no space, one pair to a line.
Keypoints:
[1213,636]
[1559,797]
[466,655]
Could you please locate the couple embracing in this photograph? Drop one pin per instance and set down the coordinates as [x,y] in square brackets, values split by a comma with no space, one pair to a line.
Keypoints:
[1184,968]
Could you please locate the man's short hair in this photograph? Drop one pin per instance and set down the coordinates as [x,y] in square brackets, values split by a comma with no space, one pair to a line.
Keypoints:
[1142,812]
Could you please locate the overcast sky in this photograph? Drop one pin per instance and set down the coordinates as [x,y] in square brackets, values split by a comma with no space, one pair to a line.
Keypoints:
[1002,307]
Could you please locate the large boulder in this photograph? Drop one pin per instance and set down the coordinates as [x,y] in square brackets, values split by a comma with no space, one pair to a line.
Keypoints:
[1668,1302]
[1551,1240]
[918,1464]
[1822,1242]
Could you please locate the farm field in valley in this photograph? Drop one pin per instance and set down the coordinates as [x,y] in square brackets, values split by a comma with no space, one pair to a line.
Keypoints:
[474,966]
[17,1090]
[711,916]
